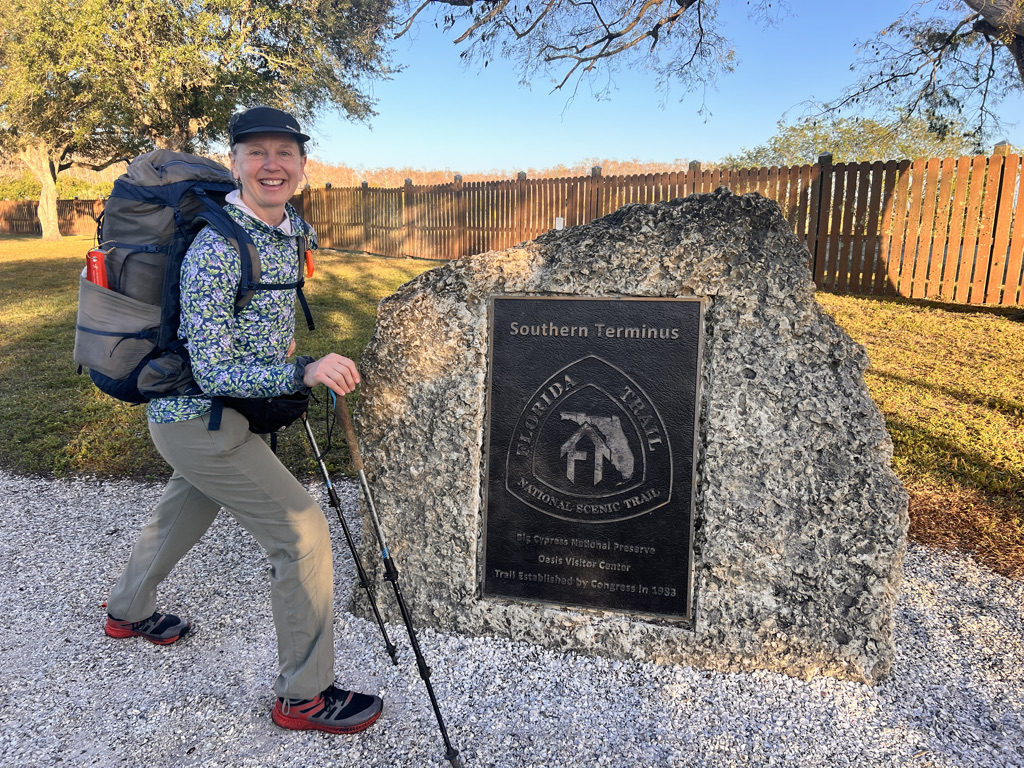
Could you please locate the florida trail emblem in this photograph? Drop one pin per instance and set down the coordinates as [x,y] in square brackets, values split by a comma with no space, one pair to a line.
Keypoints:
[591,447]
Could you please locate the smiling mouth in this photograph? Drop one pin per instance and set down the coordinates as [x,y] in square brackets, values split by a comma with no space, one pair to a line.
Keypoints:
[272,182]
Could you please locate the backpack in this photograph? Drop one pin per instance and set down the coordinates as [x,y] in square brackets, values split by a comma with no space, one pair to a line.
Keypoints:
[127,333]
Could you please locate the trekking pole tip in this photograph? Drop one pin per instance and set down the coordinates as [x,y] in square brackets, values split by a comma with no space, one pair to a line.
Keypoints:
[453,758]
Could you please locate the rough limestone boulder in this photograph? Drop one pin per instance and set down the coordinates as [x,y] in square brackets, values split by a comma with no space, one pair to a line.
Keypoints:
[800,522]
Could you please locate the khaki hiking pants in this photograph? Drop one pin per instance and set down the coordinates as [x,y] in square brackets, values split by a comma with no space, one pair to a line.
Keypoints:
[235,469]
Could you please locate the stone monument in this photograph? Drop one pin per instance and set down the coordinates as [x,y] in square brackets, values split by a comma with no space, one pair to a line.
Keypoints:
[780,529]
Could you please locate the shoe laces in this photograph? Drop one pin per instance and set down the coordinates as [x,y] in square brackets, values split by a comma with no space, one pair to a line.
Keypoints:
[332,696]
[332,693]
[325,698]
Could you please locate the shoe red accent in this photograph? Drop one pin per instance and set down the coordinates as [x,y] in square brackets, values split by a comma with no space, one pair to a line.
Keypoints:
[159,629]
[333,711]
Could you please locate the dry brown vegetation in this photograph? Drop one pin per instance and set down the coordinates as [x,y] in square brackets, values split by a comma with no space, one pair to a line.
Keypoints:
[340,175]
[319,173]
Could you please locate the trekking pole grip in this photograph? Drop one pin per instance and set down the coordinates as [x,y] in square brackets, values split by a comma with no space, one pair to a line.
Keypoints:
[341,411]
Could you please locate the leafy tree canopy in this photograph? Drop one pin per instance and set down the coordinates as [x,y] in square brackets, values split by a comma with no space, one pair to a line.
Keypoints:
[88,81]
[852,140]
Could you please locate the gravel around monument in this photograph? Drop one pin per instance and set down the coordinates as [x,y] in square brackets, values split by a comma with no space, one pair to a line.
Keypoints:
[74,697]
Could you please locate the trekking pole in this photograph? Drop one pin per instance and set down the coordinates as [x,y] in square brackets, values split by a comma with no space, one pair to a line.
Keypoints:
[391,574]
[364,582]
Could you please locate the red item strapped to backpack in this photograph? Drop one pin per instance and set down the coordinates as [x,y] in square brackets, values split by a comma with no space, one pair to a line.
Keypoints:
[96,268]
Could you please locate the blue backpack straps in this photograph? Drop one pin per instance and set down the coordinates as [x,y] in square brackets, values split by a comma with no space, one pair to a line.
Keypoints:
[249,258]
[251,270]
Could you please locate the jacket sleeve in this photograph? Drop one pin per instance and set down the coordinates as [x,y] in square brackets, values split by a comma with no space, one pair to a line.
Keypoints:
[209,282]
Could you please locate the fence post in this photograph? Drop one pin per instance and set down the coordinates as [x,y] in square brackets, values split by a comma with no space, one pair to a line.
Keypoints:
[520,206]
[693,175]
[817,237]
[594,185]
[460,248]
[408,220]
[1001,220]
[364,192]
[305,213]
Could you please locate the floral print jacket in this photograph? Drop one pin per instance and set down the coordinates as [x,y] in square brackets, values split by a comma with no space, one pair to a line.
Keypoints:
[233,355]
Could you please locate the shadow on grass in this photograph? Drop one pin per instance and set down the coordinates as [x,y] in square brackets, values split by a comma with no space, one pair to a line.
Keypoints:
[960,499]
[1010,408]
[1013,312]
[949,460]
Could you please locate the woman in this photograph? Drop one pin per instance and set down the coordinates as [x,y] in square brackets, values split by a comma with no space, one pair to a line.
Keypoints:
[244,355]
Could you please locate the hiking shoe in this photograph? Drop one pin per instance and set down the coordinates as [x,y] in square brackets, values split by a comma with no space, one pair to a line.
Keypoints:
[160,628]
[335,711]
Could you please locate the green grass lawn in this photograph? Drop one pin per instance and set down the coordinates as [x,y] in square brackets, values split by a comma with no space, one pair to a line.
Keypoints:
[948,380]
[55,421]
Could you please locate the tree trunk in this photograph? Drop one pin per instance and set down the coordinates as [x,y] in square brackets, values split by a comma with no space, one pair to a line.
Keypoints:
[175,143]
[1016,46]
[1007,16]
[48,218]
[1003,20]
[39,159]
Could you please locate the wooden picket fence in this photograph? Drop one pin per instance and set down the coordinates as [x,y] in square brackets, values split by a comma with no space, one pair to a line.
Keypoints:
[945,229]
[75,217]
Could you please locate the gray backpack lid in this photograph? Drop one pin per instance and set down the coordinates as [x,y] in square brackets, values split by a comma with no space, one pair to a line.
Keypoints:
[163,166]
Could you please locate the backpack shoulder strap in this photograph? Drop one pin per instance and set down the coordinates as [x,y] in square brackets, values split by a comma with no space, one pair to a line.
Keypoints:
[304,259]
[249,280]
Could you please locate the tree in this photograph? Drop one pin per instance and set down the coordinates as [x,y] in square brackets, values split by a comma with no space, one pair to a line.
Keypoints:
[945,61]
[128,75]
[52,96]
[677,40]
[949,62]
[851,140]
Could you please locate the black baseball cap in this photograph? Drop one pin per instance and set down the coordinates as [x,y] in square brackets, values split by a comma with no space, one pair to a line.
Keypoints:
[264,119]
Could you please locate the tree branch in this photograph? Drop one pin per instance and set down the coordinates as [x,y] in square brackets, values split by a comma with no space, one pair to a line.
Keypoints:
[94,166]
[540,17]
[498,8]
[570,39]
[575,52]
[932,60]
[412,18]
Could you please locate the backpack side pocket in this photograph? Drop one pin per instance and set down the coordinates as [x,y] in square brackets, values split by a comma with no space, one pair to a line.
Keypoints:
[114,332]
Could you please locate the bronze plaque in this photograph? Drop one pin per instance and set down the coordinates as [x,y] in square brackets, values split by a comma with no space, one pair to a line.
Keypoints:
[591,435]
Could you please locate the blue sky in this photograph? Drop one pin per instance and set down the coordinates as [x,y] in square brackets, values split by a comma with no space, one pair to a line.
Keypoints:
[439,114]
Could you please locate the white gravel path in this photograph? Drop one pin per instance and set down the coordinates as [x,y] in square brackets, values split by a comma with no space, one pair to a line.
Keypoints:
[73,697]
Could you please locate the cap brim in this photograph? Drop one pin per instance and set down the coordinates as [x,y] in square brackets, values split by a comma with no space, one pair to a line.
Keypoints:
[270,129]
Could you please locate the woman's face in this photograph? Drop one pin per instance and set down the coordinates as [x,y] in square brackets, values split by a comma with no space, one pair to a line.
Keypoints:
[269,167]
